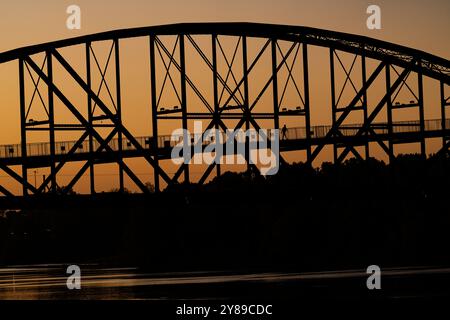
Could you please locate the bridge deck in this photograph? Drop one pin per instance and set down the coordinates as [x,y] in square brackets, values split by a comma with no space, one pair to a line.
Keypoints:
[38,154]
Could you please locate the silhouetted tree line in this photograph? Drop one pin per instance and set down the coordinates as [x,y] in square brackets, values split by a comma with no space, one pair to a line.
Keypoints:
[348,215]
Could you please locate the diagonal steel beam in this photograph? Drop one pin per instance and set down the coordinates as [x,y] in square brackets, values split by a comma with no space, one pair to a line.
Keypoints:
[255,61]
[81,118]
[290,75]
[347,111]
[18,178]
[381,143]
[36,89]
[107,112]
[167,73]
[103,145]
[122,165]
[352,149]
[372,116]
[211,65]
[103,73]
[347,76]
[62,163]
[230,68]
[5,191]
[272,77]
[188,80]
[207,173]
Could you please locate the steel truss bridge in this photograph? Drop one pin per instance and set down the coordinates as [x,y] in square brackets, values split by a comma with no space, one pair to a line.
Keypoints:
[232,99]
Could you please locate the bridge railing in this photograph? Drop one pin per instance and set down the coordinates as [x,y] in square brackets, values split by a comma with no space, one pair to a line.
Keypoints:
[298,133]
[349,130]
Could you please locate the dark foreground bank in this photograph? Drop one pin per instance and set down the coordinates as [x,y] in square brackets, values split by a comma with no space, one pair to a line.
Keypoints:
[346,216]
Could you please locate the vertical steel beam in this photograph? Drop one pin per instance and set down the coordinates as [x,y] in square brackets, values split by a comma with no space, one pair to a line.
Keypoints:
[421,112]
[246,100]
[276,106]
[51,118]
[154,102]
[307,106]
[333,102]
[216,92]
[23,123]
[119,113]
[443,114]
[389,113]
[90,120]
[184,100]
[365,103]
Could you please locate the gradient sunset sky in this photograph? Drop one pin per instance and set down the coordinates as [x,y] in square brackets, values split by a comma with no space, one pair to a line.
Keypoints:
[423,25]
[414,23]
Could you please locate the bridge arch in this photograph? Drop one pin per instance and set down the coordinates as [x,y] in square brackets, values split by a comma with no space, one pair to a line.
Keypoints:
[342,136]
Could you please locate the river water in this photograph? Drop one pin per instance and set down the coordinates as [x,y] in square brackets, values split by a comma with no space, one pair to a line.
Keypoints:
[99,283]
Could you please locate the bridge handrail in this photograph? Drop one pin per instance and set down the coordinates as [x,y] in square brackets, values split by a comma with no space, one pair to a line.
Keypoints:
[296,133]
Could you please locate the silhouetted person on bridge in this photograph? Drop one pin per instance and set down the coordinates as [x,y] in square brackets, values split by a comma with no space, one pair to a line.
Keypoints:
[283,132]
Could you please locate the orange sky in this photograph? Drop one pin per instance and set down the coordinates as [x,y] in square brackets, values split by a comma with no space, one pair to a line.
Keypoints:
[417,24]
